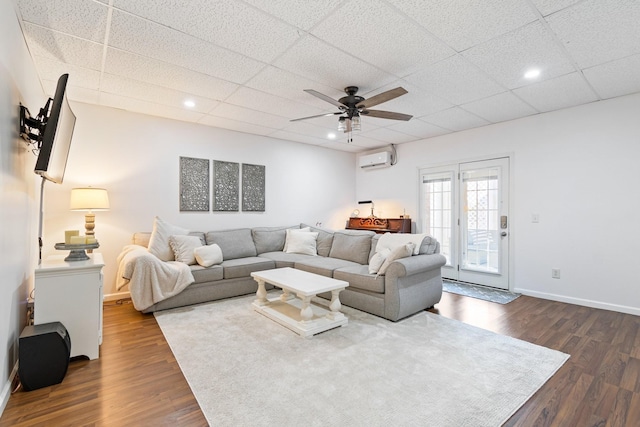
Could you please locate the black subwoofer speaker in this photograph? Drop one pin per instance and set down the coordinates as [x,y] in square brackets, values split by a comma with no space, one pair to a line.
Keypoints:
[44,355]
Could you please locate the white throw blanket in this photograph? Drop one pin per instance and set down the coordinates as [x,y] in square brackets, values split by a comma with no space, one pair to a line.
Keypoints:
[150,280]
[391,241]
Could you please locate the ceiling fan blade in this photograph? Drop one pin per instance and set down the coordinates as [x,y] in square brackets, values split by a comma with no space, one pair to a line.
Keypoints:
[319,115]
[324,97]
[382,97]
[386,115]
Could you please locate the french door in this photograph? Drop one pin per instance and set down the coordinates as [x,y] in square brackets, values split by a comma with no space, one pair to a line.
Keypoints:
[465,207]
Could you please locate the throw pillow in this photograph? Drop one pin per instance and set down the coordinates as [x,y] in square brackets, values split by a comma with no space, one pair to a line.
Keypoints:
[159,240]
[393,240]
[402,251]
[291,231]
[207,256]
[377,260]
[302,243]
[183,248]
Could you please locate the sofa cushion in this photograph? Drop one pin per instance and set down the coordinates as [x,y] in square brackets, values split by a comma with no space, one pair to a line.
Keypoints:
[324,240]
[283,259]
[322,265]
[207,274]
[233,243]
[243,267]
[269,239]
[374,245]
[359,278]
[352,246]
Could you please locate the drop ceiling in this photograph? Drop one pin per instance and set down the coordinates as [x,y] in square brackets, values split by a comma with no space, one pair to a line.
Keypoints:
[245,64]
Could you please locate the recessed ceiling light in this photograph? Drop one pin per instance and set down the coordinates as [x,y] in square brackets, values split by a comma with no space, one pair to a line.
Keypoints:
[331,135]
[189,103]
[532,73]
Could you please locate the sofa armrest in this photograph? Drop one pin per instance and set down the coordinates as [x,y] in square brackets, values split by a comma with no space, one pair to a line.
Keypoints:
[415,264]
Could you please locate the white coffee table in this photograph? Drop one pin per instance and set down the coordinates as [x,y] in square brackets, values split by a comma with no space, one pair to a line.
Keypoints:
[299,315]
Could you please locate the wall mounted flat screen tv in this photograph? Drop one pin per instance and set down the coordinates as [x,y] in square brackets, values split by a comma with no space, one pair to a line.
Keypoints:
[56,139]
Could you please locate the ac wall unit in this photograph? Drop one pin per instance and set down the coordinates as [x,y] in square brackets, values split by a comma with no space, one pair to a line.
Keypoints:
[378,160]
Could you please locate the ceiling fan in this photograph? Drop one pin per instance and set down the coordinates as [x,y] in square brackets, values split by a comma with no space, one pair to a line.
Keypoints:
[353,106]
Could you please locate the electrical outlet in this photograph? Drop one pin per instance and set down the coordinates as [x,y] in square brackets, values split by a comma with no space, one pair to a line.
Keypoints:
[535,218]
[555,273]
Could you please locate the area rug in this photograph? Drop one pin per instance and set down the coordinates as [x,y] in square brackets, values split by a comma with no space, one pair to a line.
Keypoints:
[479,292]
[246,370]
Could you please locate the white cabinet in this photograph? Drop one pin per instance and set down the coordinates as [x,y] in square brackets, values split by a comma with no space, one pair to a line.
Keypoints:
[71,293]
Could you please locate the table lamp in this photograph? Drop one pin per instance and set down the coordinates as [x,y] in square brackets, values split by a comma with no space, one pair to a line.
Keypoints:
[89,199]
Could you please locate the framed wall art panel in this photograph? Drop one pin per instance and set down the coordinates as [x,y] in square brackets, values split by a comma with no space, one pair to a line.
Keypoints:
[194,184]
[253,188]
[226,186]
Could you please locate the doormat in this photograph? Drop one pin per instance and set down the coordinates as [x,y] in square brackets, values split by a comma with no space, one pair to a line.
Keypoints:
[479,292]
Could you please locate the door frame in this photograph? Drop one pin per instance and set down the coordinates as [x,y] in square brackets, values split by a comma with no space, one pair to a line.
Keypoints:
[512,184]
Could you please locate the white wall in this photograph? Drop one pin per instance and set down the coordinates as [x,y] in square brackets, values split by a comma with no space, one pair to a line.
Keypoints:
[136,158]
[577,168]
[18,248]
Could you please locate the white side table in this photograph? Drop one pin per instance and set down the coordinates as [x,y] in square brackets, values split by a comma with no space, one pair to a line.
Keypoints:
[71,293]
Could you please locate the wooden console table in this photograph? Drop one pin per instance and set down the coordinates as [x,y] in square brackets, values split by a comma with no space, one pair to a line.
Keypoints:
[380,225]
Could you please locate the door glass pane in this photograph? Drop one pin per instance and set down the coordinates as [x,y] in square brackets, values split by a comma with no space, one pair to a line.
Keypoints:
[481,234]
[438,213]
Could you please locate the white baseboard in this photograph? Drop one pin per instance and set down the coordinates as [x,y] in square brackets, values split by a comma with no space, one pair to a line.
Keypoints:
[579,301]
[116,296]
[6,389]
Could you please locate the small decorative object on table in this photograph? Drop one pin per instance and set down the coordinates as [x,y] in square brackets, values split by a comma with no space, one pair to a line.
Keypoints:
[77,251]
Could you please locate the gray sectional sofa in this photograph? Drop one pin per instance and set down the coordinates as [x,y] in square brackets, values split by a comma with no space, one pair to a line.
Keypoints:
[410,284]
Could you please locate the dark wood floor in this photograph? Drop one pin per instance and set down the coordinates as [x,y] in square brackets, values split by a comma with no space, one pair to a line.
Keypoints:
[137,381]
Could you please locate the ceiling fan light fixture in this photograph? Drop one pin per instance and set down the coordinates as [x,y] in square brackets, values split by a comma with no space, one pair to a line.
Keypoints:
[355,123]
[342,124]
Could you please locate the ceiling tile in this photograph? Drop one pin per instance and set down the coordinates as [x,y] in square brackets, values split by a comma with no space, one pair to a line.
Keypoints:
[257,100]
[416,102]
[318,61]
[167,75]
[63,48]
[419,128]
[225,123]
[78,76]
[462,23]
[561,92]
[251,32]
[615,78]
[598,31]
[74,93]
[314,128]
[259,118]
[279,82]
[455,80]
[155,94]
[294,136]
[384,38]
[144,107]
[547,7]
[455,119]
[166,44]
[302,17]
[507,57]
[389,136]
[500,108]
[80,18]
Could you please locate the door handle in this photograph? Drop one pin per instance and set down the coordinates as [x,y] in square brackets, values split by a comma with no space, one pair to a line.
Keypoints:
[503,234]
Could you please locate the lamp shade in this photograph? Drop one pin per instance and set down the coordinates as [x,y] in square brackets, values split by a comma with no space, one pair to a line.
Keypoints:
[89,198]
